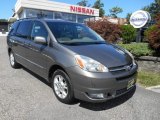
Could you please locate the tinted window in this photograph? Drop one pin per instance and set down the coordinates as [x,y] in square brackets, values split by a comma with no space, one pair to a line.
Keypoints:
[39,30]
[24,29]
[13,28]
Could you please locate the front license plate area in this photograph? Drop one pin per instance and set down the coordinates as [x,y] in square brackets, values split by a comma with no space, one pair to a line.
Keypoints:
[130,84]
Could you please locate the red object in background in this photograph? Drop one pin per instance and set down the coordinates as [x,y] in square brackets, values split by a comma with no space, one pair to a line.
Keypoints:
[81,10]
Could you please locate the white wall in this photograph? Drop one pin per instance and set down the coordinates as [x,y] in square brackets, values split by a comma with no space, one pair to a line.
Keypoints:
[48,5]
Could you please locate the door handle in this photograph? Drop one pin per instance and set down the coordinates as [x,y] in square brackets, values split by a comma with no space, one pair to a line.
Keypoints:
[27,44]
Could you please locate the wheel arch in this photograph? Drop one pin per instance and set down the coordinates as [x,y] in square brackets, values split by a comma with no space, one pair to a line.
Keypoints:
[52,69]
[9,50]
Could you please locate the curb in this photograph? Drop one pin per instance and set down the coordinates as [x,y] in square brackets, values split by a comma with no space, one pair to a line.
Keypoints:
[148,58]
[153,87]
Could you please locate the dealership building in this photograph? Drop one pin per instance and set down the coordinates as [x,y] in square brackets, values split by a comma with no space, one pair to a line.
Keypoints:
[53,10]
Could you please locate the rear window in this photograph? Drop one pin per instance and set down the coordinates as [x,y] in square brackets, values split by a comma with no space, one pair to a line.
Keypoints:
[24,29]
[13,28]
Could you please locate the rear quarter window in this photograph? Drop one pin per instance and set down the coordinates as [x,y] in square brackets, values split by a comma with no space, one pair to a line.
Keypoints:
[13,28]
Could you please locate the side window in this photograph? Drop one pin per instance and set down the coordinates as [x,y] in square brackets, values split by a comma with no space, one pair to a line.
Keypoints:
[24,29]
[13,28]
[39,30]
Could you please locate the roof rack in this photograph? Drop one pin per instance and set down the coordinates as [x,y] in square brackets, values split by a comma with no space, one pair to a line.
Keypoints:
[40,18]
[29,18]
[43,18]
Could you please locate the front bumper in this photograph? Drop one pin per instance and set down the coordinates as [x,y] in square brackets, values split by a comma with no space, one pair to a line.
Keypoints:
[107,86]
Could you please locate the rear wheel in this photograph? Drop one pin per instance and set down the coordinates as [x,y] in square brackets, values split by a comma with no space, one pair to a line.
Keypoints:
[62,87]
[12,60]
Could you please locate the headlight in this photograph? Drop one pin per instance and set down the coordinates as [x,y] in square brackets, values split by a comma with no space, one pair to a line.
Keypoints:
[134,63]
[89,64]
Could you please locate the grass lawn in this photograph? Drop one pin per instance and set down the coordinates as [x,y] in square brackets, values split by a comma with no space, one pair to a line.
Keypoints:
[148,79]
[138,49]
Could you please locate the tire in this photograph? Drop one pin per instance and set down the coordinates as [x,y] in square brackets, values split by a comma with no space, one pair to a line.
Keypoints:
[13,61]
[62,87]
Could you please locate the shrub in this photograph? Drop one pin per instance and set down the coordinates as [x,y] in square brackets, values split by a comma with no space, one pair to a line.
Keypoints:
[138,49]
[147,31]
[128,33]
[110,32]
[152,34]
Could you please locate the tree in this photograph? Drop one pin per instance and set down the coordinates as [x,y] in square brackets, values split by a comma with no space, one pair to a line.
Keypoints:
[109,31]
[128,17]
[128,33]
[153,8]
[152,34]
[99,5]
[146,8]
[84,3]
[115,10]
[3,20]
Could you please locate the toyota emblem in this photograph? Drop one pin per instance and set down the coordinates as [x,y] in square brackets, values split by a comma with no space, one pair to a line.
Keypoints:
[127,68]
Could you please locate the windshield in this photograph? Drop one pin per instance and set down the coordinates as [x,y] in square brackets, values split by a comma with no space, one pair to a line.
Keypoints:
[73,33]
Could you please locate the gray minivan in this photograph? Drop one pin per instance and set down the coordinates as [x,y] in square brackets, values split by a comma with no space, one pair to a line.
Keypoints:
[73,58]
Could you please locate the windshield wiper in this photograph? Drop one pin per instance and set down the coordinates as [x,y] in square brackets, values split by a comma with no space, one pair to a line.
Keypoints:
[98,42]
[82,43]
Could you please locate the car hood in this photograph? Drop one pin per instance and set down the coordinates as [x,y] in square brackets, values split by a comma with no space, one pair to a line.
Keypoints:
[107,54]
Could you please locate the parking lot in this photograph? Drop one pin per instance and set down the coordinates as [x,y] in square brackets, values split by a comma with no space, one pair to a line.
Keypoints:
[25,96]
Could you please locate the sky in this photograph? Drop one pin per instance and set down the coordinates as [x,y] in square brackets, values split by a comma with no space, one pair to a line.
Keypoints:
[128,6]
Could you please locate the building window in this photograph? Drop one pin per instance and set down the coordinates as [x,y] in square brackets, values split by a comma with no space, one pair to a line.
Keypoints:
[84,18]
[47,14]
[39,13]
[65,16]
[29,13]
[21,14]
[32,13]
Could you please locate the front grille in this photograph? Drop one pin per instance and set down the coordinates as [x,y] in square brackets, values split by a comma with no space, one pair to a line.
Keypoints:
[120,68]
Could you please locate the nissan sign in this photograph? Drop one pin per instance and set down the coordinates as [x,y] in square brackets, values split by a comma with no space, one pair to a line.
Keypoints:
[139,18]
[81,10]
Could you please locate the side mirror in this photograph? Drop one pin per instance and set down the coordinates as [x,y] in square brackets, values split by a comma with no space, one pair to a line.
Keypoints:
[40,40]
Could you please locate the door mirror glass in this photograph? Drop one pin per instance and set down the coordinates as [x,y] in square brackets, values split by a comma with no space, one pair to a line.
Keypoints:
[40,40]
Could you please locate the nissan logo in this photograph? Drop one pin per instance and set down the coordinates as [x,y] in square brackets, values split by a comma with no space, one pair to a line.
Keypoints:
[139,18]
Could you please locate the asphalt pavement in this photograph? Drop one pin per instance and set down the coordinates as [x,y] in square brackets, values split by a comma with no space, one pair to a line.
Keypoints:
[26,96]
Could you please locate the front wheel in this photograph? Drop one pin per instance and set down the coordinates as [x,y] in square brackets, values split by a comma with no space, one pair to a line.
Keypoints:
[62,87]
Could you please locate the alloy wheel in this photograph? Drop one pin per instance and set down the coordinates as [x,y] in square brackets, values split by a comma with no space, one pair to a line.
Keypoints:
[60,86]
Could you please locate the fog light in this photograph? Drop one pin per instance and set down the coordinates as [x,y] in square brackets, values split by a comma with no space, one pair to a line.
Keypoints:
[97,96]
